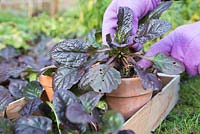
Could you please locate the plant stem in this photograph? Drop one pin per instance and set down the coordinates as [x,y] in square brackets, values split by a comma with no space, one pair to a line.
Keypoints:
[140,56]
[131,60]
[104,50]
[111,60]
[57,119]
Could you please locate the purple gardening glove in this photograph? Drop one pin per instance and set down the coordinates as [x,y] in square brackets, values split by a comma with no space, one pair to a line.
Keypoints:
[182,44]
[140,8]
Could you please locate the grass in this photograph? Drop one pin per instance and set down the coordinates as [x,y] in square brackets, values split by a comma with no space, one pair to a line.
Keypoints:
[185,117]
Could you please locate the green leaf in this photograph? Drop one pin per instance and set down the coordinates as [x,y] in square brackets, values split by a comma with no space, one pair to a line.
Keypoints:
[33,125]
[66,77]
[6,126]
[57,119]
[5,98]
[71,53]
[151,30]
[33,90]
[156,13]
[124,25]
[90,100]
[167,64]
[112,121]
[101,78]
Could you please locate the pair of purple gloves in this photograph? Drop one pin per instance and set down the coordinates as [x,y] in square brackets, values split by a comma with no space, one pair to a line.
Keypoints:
[183,43]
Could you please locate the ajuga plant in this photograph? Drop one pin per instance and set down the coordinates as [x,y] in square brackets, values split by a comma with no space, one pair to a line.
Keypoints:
[100,68]
[86,70]
[15,68]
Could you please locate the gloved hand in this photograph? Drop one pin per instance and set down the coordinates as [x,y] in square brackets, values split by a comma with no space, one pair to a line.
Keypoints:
[182,44]
[140,8]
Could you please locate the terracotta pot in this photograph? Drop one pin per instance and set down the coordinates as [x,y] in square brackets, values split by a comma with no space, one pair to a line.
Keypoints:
[46,82]
[129,97]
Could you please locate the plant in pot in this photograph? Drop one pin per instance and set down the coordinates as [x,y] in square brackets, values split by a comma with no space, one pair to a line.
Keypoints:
[88,66]
[24,110]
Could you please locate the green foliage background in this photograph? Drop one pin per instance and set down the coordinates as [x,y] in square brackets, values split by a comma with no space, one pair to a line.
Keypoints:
[20,31]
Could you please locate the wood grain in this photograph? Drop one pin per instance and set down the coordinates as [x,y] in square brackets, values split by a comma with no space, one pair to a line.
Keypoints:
[13,109]
[149,117]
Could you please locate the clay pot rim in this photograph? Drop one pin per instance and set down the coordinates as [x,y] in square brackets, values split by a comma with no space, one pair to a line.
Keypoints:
[150,92]
[146,91]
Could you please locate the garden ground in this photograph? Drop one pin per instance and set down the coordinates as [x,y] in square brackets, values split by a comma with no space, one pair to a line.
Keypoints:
[185,117]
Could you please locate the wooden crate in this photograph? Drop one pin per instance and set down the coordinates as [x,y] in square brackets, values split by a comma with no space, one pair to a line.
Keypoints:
[13,109]
[150,116]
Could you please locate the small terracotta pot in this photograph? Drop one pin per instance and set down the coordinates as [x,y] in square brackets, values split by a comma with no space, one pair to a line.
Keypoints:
[46,82]
[129,97]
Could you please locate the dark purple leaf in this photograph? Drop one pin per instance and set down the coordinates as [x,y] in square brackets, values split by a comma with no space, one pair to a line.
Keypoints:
[90,100]
[71,53]
[42,48]
[3,88]
[97,57]
[84,83]
[76,113]
[11,63]
[9,52]
[35,63]
[5,98]
[124,25]
[31,107]
[3,76]
[10,69]
[33,125]
[33,90]
[101,78]
[27,130]
[126,132]
[149,80]
[156,13]
[61,100]
[15,87]
[28,60]
[66,77]
[6,126]
[151,30]
[43,61]
[15,72]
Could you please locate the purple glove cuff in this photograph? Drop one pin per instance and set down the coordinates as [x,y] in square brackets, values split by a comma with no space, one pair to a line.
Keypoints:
[144,63]
[155,3]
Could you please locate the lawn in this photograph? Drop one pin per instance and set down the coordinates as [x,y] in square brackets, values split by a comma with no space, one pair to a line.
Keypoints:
[185,117]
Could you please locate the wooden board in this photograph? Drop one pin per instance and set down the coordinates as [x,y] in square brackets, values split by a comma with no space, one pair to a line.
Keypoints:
[2,114]
[13,109]
[149,117]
